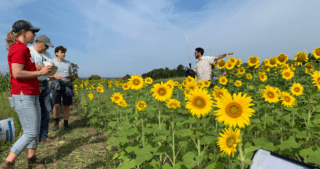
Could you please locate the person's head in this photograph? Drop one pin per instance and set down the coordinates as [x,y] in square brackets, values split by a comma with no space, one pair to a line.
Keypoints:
[60,52]
[22,30]
[43,43]
[199,52]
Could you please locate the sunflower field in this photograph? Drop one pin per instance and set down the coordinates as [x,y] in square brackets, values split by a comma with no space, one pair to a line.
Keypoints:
[272,104]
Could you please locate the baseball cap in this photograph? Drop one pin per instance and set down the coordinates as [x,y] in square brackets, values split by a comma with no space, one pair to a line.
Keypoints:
[45,39]
[24,25]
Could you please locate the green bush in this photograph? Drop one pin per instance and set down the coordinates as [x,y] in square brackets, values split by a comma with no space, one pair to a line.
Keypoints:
[94,77]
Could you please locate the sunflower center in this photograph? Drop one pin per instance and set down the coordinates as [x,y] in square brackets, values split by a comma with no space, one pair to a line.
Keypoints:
[136,81]
[253,60]
[141,105]
[287,99]
[296,89]
[318,51]
[162,91]
[270,95]
[221,64]
[272,61]
[199,102]
[281,58]
[173,105]
[287,74]
[262,76]
[116,98]
[318,80]
[219,94]
[230,142]
[234,110]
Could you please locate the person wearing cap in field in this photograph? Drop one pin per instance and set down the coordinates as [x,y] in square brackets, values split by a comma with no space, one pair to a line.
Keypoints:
[39,54]
[203,65]
[25,91]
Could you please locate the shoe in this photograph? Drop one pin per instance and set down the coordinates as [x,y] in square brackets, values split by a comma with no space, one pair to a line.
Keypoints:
[7,165]
[47,140]
[56,126]
[32,163]
[67,128]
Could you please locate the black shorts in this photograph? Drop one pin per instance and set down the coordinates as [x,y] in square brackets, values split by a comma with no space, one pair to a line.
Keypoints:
[56,97]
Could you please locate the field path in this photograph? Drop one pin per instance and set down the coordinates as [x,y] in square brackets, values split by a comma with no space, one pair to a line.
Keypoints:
[82,147]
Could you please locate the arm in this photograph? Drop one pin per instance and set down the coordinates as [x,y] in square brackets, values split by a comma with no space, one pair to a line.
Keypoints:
[39,67]
[221,56]
[18,72]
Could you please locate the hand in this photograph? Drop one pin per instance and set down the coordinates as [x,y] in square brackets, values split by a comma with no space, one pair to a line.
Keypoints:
[193,69]
[58,77]
[230,53]
[40,90]
[45,70]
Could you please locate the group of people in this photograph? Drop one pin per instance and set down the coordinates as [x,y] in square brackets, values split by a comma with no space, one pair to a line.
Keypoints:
[34,95]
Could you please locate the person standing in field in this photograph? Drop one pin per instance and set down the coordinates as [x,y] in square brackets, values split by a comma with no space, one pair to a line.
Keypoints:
[203,65]
[25,91]
[39,54]
[62,87]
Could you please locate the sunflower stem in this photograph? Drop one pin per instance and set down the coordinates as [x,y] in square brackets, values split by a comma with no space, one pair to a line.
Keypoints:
[173,145]
[143,141]
[241,155]
[198,138]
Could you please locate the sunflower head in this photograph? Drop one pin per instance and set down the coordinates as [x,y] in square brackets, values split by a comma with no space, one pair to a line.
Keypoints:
[232,60]
[316,52]
[125,86]
[287,74]
[228,141]
[270,95]
[296,89]
[161,92]
[141,105]
[223,80]
[116,97]
[213,67]
[287,99]
[282,58]
[199,103]
[241,70]
[301,57]
[238,62]
[254,61]
[218,93]
[100,89]
[273,62]
[90,96]
[266,68]
[136,82]
[173,104]
[221,64]
[238,83]
[230,65]
[263,76]
[249,76]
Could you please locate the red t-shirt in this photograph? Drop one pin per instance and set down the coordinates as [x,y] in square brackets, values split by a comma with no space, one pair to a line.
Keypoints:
[20,53]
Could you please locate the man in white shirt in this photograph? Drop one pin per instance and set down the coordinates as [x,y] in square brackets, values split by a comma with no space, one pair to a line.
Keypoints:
[203,65]
[39,54]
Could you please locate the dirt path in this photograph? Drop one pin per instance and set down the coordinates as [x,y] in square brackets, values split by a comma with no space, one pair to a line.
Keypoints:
[82,147]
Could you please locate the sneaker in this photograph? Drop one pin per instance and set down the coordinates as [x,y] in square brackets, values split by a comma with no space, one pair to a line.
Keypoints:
[55,128]
[7,165]
[67,128]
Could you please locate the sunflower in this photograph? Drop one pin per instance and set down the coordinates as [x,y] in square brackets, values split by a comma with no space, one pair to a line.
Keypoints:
[287,74]
[75,85]
[231,80]
[122,103]
[287,99]
[278,91]
[219,93]
[170,85]
[176,83]
[266,68]
[282,58]
[250,87]
[230,65]
[308,71]
[161,92]
[232,60]
[234,111]
[76,88]
[309,65]
[241,71]
[200,83]
[301,57]
[266,62]
[249,76]
[125,86]
[116,97]
[221,64]
[148,80]
[296,89]
[190,79]
[263,77]
[141,105]
[206,83]
[228,141]
[100,89]
[135,82]
[238,62]
[86,88]
[270,95]
[316,52]
[223,80]
[238,83]
[254,61]
[180,86]
[173,104]
[90,96]
[273,62]
[216,87]
[199,103]
[191,86]
[187,93]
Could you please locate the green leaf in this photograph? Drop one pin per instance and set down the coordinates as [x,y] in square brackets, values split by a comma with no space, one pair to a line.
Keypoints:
[183,144]
[160,138]
[127,163]
[207,140]
[188,160]
[301,134]
[166,166]
[287,118]
[256,121]
[184,132]
[306,152]
[288,144]
[267,119]
[144,155]
[248,161]
[115,156]
[314,157]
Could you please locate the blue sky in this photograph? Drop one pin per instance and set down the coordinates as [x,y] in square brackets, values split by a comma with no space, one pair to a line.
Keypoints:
[113,38]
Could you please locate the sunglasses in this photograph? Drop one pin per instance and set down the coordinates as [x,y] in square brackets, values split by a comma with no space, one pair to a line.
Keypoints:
[45,45]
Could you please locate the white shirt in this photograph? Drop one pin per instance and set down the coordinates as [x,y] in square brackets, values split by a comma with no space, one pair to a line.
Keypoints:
[203,68]
[38,59]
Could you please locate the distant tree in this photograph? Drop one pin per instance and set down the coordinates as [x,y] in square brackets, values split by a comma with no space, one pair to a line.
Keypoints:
[94,77]
[75,68]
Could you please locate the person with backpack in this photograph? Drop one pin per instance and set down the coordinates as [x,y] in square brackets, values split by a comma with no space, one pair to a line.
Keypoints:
[25,91]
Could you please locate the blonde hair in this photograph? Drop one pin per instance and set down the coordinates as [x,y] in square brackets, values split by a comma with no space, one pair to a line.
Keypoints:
[11,38]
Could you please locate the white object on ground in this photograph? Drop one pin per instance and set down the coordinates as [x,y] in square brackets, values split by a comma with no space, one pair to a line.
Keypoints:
[7,130]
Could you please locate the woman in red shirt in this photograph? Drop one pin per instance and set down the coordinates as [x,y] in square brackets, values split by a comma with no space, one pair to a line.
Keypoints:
[25,91]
